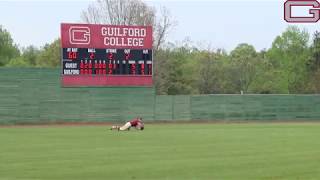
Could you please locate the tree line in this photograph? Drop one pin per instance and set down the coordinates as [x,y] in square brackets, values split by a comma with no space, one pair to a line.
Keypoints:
[291,65]
[11,56]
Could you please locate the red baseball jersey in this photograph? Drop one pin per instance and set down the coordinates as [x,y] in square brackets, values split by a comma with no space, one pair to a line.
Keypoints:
[135,122]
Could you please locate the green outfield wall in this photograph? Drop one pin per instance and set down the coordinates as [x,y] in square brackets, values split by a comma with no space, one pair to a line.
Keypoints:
[29,96]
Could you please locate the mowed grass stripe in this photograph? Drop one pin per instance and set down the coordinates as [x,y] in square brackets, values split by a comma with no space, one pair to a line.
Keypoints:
[168,151]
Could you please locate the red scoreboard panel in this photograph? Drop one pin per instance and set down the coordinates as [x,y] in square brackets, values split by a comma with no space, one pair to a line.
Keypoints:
[106,55]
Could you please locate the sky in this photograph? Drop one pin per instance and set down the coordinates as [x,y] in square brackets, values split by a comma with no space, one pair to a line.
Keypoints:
[216,23]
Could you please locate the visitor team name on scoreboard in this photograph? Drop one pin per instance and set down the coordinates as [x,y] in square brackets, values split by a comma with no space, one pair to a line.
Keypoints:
[90,61]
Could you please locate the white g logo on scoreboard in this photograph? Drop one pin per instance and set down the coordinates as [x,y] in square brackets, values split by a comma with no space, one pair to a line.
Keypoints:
[79,35]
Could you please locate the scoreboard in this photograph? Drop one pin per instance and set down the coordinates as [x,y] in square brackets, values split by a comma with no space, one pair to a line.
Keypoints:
[106,55]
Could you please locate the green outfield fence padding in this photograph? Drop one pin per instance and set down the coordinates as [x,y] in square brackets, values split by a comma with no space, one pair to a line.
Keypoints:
[31,95]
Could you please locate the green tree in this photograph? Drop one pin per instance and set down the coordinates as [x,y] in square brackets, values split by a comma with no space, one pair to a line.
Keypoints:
[174,72]
[30,54]
[315,50]
[244,60]
[50,56]
[211,79]
[27,58]
[8,50]
[18,62]
[288,56]
[313,65]
[267,78]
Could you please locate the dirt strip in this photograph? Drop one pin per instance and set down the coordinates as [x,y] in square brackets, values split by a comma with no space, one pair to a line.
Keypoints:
[108,124]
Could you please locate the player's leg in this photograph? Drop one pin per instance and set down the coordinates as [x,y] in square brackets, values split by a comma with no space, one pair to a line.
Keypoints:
[125,127]
[115,127]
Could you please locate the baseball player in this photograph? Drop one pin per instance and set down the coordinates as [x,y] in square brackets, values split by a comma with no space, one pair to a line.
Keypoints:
[136,123]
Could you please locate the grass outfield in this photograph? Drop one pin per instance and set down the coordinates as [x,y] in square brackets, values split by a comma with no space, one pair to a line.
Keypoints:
[171,151]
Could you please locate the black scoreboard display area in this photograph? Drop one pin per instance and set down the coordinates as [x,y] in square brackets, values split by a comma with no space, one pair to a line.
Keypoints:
[86,61]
